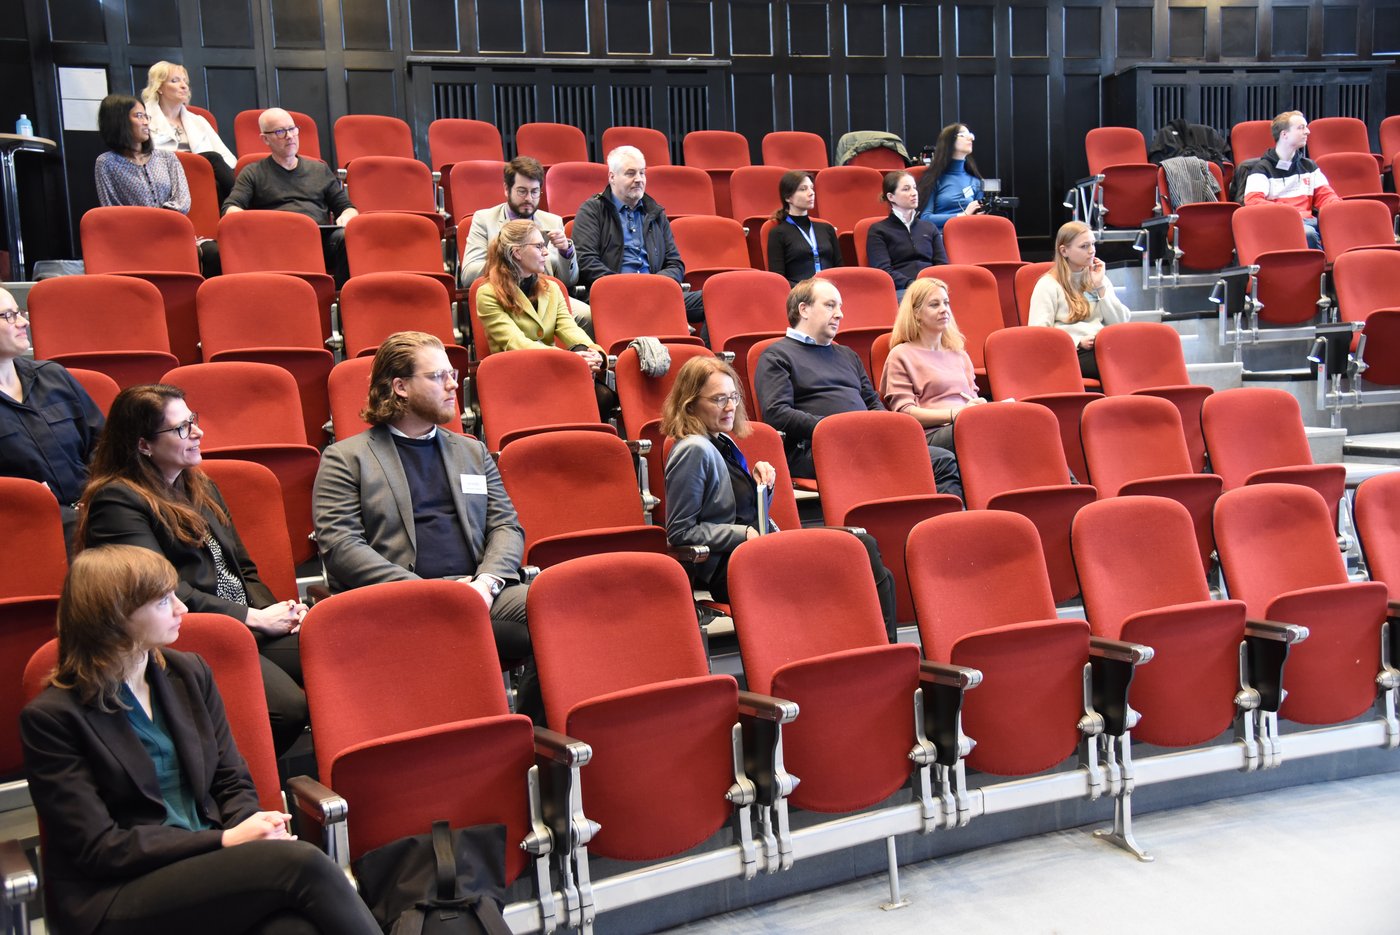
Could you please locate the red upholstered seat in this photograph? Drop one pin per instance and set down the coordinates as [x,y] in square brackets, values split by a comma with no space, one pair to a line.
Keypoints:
[1289,280]
[394,183]
[248,141]
[1365,282]
[1128,193]
[708,246]
[359,135]
[1146,358]
[795,149]
[278,242]
[1202,228]
[392,242]
[532,390]
[988,241]
[681,190]
[637,305]
[1378,523]
[741,308]
[868,308]
[974,297]
[656,149]
[115,325]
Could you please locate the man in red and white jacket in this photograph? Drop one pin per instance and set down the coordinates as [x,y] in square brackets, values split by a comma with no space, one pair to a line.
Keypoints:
[1283,176]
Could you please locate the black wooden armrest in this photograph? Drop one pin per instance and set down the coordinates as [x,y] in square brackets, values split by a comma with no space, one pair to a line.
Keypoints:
[1266,648]
[1112,665]
[942,673]
[766,708]
[639,446]
[320,803]
[20,881]
[1392,608]
[1271,630]
[761,718]
[561,748]
[943,687]
[316,592]
[1119,650]
[689,554]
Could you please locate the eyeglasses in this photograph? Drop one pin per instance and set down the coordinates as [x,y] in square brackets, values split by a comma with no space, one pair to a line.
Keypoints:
[9,315]
[526,192]
[282,132]
[724,399]
[183,429]
[440,376]
[966,135]
[141,115]
[537,244]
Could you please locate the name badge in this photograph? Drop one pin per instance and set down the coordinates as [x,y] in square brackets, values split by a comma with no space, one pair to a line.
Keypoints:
[474,484]
[968,192]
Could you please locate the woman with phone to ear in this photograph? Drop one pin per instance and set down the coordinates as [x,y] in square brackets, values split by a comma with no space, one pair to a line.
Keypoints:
[1077,296]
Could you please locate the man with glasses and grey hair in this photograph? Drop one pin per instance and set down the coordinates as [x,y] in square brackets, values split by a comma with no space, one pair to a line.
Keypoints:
[286,182]
[409,499]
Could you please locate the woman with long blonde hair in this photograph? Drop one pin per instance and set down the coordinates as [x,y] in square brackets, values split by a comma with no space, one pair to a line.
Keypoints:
[1077,296]
[175,127]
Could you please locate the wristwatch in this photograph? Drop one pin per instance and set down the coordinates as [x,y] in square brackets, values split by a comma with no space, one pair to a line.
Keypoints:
[494,584]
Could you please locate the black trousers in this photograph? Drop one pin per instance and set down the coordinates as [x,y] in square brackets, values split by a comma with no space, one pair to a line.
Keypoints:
[223,175]
[258,888]
[1088,364]
[286,702]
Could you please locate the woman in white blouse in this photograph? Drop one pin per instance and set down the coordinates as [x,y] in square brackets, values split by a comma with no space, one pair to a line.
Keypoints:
[1076,296]
[175,127]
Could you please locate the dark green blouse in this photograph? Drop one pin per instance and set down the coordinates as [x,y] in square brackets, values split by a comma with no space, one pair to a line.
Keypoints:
[181,808]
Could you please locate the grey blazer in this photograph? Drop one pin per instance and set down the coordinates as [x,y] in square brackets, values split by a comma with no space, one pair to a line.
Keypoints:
[364,511]
[700,502]
[487,223]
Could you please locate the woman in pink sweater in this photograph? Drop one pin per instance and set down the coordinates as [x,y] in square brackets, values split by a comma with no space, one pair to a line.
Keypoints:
[928,374]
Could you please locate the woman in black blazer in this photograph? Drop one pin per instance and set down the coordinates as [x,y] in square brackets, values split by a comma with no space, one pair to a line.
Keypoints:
[146,489]
[151,820]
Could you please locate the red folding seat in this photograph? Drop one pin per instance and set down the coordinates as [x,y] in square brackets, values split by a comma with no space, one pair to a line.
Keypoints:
[849,195]
[270,318]
[719,153]
[391,242]
[988,241]
[359,135]
[637,305]
[248,141]
[976,302]
[247,487]
[1026,278]
[1039,365]
[1011,458]
[533,390]
[1354,225]
[621,663]
[1250,139]
[111,324]
[1329,136]
[1355,176]
[709,245]
[874,472]
[251,412]
[470,186]
[102,388]
[1255,436]
[155,245]
[576,494]
[763,443]
[204,194]
[868,307]
[848,681]
[1134,446]
[1367,292]
[246,161]
[879,158]
[753,197]
[1145,358]
[380,714]
[1136,562]
[742,308]
[452,140]
[348,388]
[376,305]
[1201,231]
[1289,281]
[861,236]
[795,149]
[278,242]
[1390,141]
[656,149]
[984,602]
[1377,509]
[393,183]
[1127,196]
[567,185]
[1278,551]
[681,190]
[551,143]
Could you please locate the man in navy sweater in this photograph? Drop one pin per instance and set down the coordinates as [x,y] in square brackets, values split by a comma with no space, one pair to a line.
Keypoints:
[805,377]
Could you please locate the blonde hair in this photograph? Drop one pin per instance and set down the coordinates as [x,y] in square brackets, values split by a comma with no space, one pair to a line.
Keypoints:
[1064,275]
[157,76]
[105,586]
[1279,124]
[678,418]
[906,322]
[395,360]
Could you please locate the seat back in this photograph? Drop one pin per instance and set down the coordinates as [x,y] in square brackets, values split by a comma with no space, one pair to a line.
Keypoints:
[973,294]
[795,149]
[1024,362]
[1260,228]
[204,194]
[842,448]
[247,489]
[1352,224]
[138,240]
[241,403]
[1275,538]
[453,139]
[849,194]
[391,183]
[348,389]
[1007,446]
[359,135]
[1365,279]
[1351,173]
[30,515]
[1390,139]
[717,149]
[29,624]
[861,236]
[1128,438]
[636,305]
[102,388]
[1113,146]
[642,396]
[1138,355]
[1250,139]
[257,310]
[248,141]
[880,158]
[867,297]
[1249,429]
[376,305]
[656,149]
[568,185]
[1328,136]
[509,388]
[1026,278]
[744,302]
[706,242]
[763,443]
[753,192]
[980,238]
[475,184]
[551,143]
[392,242]
[270,241]
[681,190]
[96,313]
[1378,525]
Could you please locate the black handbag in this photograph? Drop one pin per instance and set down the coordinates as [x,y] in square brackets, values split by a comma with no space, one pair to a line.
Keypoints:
[447,882]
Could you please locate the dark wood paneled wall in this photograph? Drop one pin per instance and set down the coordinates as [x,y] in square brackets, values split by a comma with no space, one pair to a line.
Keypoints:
[1026,75]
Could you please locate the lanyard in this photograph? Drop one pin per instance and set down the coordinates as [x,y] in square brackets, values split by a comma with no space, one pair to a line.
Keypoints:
[811,238]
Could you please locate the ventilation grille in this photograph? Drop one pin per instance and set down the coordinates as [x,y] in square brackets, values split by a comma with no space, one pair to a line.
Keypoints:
[574,106]
[1309,98]
[631,106]
[690,110]
[1261,102]
[1353,100]
[1215,102]
[1168,104]
[454,100]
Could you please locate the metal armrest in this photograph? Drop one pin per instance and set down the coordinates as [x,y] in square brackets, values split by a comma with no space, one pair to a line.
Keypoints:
[1112,663]
[1266,649]
[561,748]
[326,810]
[559,828]
[1269,630]
[316,592]
[726,356]
[943,686]
[21,883]
[761,719]
[853,530]
[639,446]
[529,573]
[766,708]
[689,554]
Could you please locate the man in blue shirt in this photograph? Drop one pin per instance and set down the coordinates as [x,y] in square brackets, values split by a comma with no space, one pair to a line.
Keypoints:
[623,230]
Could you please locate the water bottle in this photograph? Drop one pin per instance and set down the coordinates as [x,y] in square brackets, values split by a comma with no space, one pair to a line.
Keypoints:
[23,126]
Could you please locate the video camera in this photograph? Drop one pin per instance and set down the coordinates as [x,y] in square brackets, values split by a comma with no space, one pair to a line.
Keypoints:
[994,202]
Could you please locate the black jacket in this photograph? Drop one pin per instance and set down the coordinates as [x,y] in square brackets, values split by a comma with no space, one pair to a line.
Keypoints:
[1180,138]
[598,240]
[904,251]
[98,797]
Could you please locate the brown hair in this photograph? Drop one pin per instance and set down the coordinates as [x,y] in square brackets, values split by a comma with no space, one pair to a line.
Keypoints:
[1064,276]
[678,418]
[503,272]
[787,187]
[890,184]
[1281,122]
[105,586]
[804,293]
[906,323]
[527,166]
[138,413]
[942,155]
[395,360]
